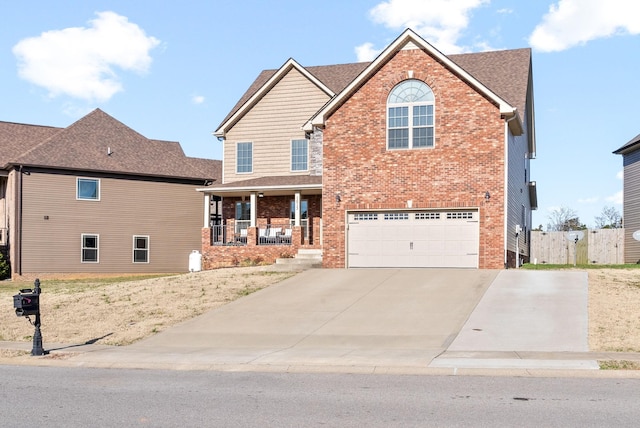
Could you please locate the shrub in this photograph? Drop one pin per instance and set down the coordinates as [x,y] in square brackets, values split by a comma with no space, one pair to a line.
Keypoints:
[5,271]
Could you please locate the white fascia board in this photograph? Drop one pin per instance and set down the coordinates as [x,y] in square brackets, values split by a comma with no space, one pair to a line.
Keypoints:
[269,84]
[409,36]
[222,190]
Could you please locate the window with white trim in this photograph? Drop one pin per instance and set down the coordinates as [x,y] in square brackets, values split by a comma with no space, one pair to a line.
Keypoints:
[140,249]
[90,246]
[88,189]
[244,158]
[410,116]
[299,155]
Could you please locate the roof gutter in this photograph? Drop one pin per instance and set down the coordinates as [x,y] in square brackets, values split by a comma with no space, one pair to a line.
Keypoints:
[506,185]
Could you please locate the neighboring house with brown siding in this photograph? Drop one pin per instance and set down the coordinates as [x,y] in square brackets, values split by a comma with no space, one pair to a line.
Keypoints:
[415,159]
[631,198]
[98,197]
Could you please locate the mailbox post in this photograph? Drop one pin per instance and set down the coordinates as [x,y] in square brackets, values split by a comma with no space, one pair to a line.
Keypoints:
[27,303]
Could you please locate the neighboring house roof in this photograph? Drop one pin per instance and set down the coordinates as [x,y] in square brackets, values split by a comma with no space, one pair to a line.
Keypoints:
[502,75]
[99,143]
[16,138]
[631,146]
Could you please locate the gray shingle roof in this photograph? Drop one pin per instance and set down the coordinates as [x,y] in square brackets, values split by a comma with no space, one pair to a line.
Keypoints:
[631,146]
[98,142]
[273,181]
[506,73]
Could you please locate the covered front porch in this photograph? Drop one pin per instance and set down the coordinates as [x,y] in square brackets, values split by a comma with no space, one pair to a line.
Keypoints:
[260,220]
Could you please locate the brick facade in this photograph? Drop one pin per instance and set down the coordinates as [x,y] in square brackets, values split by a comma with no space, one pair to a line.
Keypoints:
[272,211]
[467,160]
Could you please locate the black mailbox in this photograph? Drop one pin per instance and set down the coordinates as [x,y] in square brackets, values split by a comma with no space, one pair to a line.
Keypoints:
[26,304]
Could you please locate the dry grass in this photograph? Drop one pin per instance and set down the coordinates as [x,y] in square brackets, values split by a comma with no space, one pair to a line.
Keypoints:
[614,310]
[119,311]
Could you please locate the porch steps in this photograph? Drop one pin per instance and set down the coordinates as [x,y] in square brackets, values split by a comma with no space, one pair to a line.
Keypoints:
[303,260]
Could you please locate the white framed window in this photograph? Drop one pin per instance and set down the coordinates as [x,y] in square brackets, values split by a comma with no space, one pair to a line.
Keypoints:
[410,116]
[244,158]
[140,249]
[243,215]
[299,155]
[87,189]
[90,244]
[304,215]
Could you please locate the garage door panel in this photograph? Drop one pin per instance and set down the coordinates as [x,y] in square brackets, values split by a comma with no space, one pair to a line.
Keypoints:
[414,239]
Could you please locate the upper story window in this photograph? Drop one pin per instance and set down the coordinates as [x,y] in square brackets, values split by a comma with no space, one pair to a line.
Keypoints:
[244,158]
[88,189]
[410,116]
[299,155]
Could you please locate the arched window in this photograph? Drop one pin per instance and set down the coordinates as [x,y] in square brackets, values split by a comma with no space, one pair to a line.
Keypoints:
[410,116]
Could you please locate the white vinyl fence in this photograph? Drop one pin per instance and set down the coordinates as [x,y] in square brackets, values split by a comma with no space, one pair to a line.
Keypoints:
[599,246]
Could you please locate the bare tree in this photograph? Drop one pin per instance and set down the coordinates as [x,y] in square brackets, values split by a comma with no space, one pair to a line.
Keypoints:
[610,218]
[563,219]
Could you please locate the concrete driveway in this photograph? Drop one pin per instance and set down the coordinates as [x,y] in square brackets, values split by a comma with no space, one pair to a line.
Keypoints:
[375,318]
[337,317]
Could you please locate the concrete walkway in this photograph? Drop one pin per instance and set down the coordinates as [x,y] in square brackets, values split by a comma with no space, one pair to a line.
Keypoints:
[377,321]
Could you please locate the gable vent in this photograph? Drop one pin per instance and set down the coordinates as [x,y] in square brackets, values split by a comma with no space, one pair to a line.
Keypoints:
[410,46]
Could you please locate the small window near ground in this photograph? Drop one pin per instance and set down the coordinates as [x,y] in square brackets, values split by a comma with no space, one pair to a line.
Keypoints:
[88,189]
[90,248]
[141,249]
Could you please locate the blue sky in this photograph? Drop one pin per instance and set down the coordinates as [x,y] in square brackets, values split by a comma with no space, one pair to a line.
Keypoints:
[172,70]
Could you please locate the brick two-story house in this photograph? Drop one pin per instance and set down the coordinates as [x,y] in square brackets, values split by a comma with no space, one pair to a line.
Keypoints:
[416,159]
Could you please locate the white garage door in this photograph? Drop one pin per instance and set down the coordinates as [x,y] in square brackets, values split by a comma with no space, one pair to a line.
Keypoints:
[445,238]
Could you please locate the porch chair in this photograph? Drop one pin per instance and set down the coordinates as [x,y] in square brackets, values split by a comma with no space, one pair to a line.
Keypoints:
[285,238]
[262,236]
[274,233]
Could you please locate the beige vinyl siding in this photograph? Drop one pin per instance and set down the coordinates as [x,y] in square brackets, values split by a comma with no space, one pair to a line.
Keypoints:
[169,213]
[271,125]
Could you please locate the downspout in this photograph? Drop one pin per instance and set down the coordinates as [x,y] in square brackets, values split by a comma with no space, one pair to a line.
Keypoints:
[18,235]
[506,187]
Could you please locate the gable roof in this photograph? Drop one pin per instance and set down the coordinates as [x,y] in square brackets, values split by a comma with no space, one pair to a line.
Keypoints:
[99,143]
[502,75]
[266,81]
[631,146]
[410,39]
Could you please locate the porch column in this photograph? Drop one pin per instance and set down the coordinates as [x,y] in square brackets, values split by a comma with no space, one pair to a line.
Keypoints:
[207,210]
[297,209]
[254,209]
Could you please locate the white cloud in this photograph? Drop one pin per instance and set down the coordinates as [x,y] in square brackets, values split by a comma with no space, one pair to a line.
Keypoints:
[591,200]
[575,22]
[440,22]
[197,99]
[366,52]
[616,198]
[80,62]
[620,175]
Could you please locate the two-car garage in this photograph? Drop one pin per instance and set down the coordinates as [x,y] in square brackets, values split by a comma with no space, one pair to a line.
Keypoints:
[421,238]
